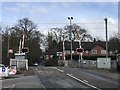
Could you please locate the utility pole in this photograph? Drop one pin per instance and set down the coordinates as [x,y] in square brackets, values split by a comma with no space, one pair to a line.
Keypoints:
[106,38]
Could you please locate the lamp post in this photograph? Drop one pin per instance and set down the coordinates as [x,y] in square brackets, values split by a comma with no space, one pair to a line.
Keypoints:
[106,38]
[70,18]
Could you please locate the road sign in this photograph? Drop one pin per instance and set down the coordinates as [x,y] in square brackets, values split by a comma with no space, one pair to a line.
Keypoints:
[79,50]
[3,69]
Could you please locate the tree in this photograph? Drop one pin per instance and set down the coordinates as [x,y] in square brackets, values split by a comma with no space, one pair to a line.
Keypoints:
[114,43]
[5,30]
[33,38]
[52,45]
[55,36]
[59,32]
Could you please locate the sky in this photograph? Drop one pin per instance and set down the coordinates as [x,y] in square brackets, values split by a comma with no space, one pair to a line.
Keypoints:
[89,15]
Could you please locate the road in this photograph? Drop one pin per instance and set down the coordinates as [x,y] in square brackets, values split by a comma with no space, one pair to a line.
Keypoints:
[51,77]
[101,80]
[65,78]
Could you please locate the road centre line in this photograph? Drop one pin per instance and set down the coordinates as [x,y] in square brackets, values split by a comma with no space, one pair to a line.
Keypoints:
[84,82]
[58,69]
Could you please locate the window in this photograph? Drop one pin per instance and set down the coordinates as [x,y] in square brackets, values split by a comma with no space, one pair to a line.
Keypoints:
[103,51]
[94,51]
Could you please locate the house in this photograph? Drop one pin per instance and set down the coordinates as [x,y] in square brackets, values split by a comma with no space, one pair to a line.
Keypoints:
[91,49]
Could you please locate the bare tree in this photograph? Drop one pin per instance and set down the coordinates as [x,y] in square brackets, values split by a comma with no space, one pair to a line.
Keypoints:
[59,32]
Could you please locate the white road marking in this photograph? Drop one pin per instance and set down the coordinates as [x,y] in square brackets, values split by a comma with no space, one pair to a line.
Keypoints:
[58,69]
[9,86]
[39,78]
[86,83]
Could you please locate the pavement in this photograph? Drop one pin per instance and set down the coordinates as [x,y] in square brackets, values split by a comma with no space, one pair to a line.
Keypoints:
[25,80]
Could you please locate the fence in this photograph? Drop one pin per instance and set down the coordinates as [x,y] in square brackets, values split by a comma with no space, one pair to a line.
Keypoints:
[90,64]
[19,63]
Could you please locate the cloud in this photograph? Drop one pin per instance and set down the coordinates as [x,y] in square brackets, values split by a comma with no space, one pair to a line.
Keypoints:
[97,27]
[58,12]
[12,9]
[38,10]
[22,5]
[16,0]
[60,0]
[25,8]
[112,26]
[66,5]
[0,12]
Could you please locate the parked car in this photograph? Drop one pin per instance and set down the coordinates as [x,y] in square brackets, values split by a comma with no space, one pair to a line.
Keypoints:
[35,64]
[4,71]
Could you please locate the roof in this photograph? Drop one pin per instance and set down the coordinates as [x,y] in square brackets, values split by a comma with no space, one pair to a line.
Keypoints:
[86,45]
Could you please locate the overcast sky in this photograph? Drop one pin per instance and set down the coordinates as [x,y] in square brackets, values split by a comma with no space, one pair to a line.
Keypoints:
[89,15]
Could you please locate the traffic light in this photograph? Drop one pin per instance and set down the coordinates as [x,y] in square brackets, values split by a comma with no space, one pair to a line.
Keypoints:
[79,50]
[25,50]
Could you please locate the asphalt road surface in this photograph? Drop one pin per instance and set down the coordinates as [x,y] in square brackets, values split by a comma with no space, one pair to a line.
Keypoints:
[52,77]
[57,78]
[102,80]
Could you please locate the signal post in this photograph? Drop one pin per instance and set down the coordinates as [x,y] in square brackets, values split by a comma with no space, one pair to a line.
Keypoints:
[80,52]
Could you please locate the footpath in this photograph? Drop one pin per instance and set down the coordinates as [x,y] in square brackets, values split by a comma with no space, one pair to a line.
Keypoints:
[26,80]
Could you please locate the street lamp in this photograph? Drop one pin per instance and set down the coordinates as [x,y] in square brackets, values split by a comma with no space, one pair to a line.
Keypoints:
[70,18]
